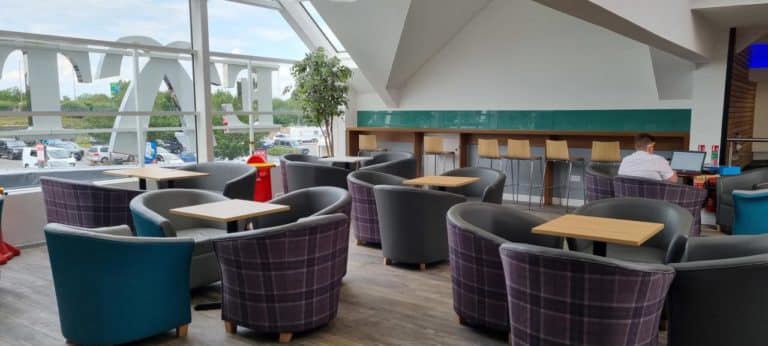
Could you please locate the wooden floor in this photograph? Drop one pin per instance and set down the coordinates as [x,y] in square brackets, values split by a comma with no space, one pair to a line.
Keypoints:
[384,305]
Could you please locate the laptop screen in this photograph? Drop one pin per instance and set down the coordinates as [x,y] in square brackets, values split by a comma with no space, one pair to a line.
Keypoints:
[688,161]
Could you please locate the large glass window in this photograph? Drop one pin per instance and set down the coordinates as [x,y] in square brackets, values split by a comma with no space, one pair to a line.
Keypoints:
[323,26]
[68,103]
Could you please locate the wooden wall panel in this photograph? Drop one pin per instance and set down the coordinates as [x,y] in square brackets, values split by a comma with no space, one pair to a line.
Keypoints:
[741,109]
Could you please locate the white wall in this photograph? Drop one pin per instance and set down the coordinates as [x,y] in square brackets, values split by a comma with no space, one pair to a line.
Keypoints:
[522,55]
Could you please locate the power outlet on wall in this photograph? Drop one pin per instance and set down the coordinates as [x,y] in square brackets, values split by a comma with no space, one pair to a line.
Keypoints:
[575,178]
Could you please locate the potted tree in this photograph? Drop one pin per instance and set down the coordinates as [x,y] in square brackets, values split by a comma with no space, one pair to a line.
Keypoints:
[321,90]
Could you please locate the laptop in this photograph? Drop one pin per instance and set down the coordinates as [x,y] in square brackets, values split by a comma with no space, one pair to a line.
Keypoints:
[688,162]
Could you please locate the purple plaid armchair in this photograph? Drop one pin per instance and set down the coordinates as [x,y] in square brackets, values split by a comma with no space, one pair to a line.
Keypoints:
[475,232]
[83,204]
[284,279]
[365,218]
[598,180]
[688,197]
[567,298]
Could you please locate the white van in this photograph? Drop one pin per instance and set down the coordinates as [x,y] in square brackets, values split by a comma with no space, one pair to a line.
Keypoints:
[55,158]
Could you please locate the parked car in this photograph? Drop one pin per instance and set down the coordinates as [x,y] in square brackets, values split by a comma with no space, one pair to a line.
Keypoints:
[167,157]
[54,158]
[11,148]
[71,147]
[172,145]
[102,154]
[292,143]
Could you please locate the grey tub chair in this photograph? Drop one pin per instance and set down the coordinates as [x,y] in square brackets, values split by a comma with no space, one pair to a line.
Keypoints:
[718,296]
[289,158]
[598,180]
[233,180]
[489,189]
[475,233]
[400,164]
[412,223]
[312,201]
[152,219]
[725,185]
[665,247]
[300,175]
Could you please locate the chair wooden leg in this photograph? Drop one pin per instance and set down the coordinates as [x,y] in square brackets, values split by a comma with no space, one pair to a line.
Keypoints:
[230,327]
[387,261]
[422,267]
[459,320]
[181,331]
[285,337]
[359,242]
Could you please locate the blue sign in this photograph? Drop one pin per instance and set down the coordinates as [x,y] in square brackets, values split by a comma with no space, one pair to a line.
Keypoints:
[150,152]
[758,57]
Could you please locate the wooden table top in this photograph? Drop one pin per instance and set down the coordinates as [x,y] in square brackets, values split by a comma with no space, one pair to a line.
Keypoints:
[155,173]
[616,231]
[230,210]
[441,181]
[345,159]
[262,165]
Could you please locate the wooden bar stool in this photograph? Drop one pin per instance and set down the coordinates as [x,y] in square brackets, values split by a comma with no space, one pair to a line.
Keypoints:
[606,152]
[433,146]
[557,152]
[367,143]
[487,149]
[520,150]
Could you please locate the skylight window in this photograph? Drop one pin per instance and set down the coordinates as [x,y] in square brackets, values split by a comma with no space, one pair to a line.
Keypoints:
[324,28]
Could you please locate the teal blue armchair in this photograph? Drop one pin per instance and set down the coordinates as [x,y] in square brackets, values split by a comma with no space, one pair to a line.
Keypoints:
[750,210]
[113,289]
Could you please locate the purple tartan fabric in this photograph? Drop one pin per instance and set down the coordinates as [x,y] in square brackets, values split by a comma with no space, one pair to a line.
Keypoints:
[477,277]
[688,197]
[81,204]
[365,219]
[562,301]
[598,186]
[284,282]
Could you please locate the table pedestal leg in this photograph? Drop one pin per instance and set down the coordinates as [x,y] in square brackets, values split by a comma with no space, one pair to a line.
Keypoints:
[170,184]
[232,227]
[599,248]
[142,184]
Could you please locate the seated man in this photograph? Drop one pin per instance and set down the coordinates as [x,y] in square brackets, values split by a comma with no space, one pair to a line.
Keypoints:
[644,163]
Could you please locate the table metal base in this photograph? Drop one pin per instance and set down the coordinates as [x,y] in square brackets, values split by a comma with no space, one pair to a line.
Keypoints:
[599,248]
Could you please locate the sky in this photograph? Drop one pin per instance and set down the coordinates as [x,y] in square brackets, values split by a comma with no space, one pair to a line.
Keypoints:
[233,28]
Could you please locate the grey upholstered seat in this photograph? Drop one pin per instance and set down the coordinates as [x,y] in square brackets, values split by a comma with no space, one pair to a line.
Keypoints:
[475,232]
[365,218]
[718,296]
[152,218]
[489,189]
[400,164]
[726,185]
[293,157]
[665,247]
[300,175]
[311,201]
[233,180]
[412,223]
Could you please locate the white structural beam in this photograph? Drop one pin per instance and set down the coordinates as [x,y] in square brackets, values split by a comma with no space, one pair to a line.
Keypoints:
[667,25]
[43,78]
[198,13]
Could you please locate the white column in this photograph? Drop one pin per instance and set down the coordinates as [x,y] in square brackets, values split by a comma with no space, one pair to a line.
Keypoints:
[198,13]
[264,96]
[248,106]
[43,73]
